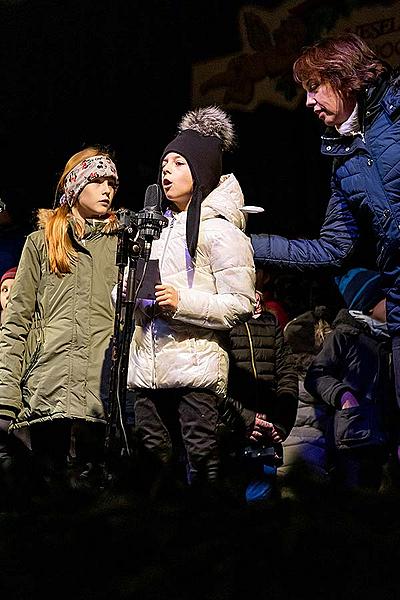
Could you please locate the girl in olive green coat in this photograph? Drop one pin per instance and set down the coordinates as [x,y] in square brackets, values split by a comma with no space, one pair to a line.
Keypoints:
[55,340]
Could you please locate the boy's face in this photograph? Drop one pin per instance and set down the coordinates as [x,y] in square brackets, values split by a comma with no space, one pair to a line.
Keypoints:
[379,311]
[177,180]
[5,292]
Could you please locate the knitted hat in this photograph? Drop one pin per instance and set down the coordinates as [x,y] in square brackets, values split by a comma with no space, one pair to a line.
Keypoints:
[203,135]
[361,289]
[299,333]
[10,274]
[88,170]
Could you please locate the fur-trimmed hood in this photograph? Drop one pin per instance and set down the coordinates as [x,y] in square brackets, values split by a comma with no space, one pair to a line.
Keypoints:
[92,226]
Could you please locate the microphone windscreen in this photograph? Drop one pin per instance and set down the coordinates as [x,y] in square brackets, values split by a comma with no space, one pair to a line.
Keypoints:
[152,199]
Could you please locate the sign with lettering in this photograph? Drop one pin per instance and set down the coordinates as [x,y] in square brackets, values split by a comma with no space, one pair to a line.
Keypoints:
[272,39]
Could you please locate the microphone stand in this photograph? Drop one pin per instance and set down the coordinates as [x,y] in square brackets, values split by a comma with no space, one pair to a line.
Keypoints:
[135,237]
[129,249]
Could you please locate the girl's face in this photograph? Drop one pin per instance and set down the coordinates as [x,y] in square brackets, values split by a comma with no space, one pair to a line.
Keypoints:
[177,180]
[5,292]
[326,102]
[95,199]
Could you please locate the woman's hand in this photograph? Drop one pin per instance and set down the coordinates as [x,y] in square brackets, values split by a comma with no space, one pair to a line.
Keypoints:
[167,297]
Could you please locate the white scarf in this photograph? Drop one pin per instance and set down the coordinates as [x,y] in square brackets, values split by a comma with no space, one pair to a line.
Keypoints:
[352,125]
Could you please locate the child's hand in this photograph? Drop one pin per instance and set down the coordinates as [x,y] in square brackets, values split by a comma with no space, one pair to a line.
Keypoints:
[264,430]
[166,297]
[348,400]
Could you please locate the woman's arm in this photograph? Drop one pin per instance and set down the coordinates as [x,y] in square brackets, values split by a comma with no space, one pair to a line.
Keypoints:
[336,242]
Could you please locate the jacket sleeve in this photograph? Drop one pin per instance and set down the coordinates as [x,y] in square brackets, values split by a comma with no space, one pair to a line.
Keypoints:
[235,416]
[287,386]
[15,329]
[338,236]
[232,265]
[324,378]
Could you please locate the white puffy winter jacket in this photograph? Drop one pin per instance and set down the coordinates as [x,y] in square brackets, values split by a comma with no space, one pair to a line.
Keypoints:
[187,349]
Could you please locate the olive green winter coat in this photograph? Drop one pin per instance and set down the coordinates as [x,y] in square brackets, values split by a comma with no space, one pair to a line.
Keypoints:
[55,341]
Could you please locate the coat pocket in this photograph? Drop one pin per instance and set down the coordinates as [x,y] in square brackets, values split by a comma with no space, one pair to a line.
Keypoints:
[359,426]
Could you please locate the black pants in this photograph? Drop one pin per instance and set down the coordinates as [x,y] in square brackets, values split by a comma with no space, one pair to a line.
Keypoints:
[66,450]
[182,419]
[361,468]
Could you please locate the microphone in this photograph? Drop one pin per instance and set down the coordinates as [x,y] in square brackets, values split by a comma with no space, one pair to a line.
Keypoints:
[150,219]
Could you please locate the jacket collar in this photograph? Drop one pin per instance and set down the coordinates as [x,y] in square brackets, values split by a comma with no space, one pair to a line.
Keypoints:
[337,145]
[93,228]
[383,94]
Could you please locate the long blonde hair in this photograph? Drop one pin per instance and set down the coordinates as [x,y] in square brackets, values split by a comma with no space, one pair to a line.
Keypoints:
[60,249]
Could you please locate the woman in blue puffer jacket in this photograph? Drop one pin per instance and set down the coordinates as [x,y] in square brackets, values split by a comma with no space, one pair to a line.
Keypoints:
[357,96]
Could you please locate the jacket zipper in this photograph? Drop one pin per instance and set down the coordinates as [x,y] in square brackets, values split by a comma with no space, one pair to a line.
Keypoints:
[32,363]
[170,226]
[253,361]
[35,353]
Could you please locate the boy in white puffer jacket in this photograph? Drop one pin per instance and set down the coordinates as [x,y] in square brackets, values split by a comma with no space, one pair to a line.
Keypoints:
[178,363]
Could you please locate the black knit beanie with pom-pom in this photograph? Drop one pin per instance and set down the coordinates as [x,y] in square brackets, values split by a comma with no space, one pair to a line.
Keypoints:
[203,135]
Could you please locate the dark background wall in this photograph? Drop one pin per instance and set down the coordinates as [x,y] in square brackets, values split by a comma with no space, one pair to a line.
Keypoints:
[118,73]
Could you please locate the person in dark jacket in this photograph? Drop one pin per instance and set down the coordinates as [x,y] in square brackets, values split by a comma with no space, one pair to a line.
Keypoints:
[13,231]
[352,374]
[262,400]
[310,441]
[357,96]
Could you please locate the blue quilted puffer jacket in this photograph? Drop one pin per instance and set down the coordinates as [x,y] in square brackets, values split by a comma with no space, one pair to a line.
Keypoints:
[365,189]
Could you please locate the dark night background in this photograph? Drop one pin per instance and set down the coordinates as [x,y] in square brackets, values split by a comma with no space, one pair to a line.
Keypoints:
[119,73]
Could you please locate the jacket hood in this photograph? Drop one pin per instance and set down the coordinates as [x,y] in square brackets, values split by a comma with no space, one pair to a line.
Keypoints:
[45,214]
[226,201]
[347,322]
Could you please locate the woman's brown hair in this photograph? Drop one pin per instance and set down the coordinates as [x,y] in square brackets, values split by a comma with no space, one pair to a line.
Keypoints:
[345,61]
[60,249]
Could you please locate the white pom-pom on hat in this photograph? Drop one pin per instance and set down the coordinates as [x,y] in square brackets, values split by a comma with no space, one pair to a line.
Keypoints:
[210,121]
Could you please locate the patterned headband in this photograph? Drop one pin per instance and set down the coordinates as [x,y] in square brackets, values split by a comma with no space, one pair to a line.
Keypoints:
[85,172]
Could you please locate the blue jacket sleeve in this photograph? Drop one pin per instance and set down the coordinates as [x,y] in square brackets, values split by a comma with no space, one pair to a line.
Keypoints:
[338,236]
